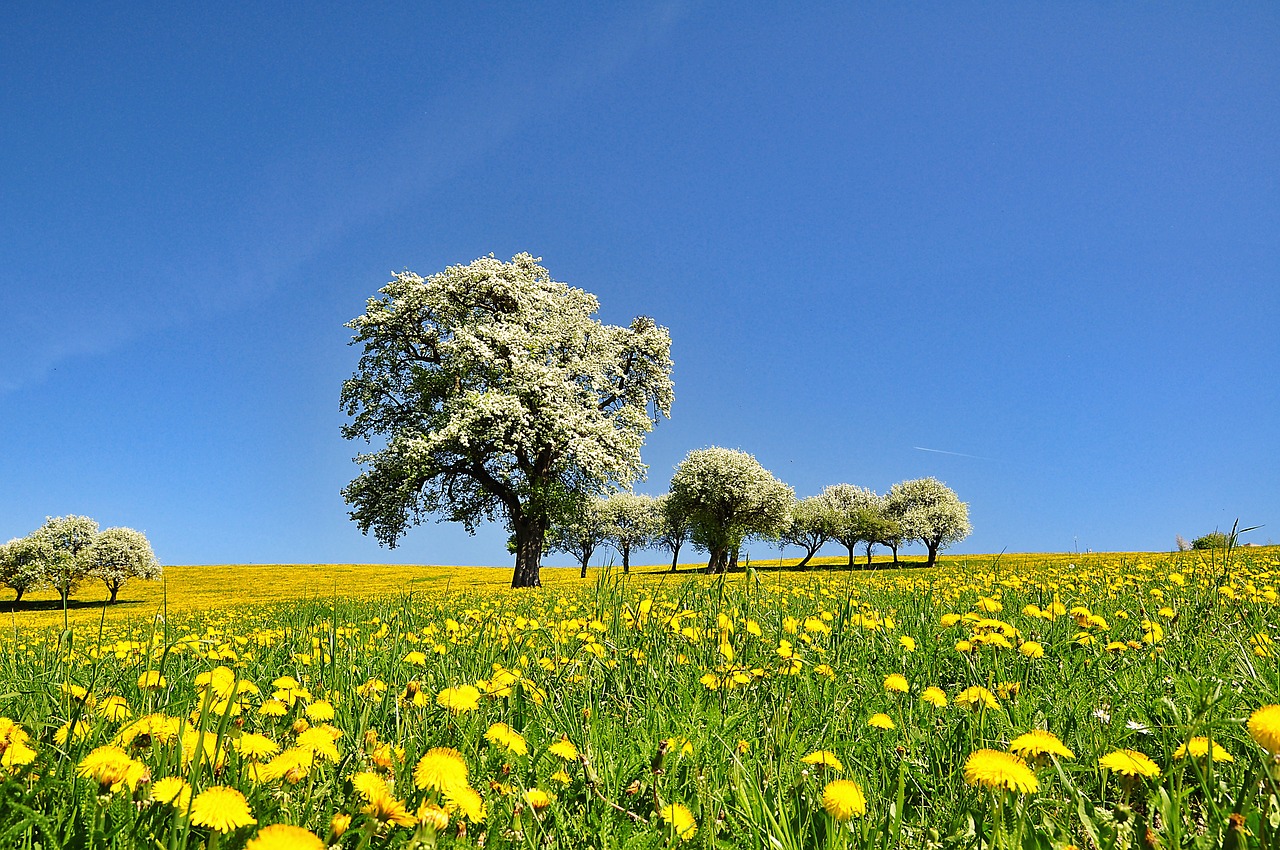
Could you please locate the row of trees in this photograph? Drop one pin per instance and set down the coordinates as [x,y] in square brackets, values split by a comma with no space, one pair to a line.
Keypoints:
[721,498]
[66,551]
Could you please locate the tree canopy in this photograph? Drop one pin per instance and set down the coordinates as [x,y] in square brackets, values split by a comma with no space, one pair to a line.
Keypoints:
[727,496]
[499,396]
[930,512]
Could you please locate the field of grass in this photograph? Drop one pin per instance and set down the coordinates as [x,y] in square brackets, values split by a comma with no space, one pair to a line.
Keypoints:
[428,706]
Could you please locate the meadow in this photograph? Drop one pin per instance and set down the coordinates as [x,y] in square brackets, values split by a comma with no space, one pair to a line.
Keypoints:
[1018,701]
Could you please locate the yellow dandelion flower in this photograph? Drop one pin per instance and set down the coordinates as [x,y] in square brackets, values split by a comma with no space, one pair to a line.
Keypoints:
[255,747]
[339,824]
[976,697]
[460,699]
[273,708]
[114,708]
[320,742]
[996,770]
[843,799]
[896,683]
[112,768]
[680,820]
[825,759]
[222,809]
[1031,649]
[321,711]
[1039,742]
[935,696]
[441,769]
[1264,728]
[564,749]
[429,814]
[152,681]
[282,836]
[509,739]
[172,791]
[880,721]
[908,643]
[1199,747]
[1130,763]
[561,777]
[466,800]
[538,799]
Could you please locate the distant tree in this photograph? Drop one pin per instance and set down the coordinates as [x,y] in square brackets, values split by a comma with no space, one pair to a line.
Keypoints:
[631,522]
[23,563]
[930,512]
[728,496]
[1212,540]
[120,554]
[1181,543]
[880,528]
[579,532]
[674,528]
[852,513]
[809,527]
[69,539]
[499,395]
[890,532]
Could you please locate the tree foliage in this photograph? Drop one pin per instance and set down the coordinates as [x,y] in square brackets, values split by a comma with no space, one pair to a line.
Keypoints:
[930,512]
[499,396]
[23,564]
[674,527]
[630,522]
[579,532]
[117,555]
[853,515]
[727,496]
[808,526]
[69,539]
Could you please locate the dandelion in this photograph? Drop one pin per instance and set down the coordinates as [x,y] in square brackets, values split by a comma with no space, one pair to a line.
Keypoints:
[1031,649]
[339,824]
[896,683]
[321,711]
[15,748]
[976,697]
[1039,742]
[996,770]
[1130,763]
[935,696]
[1199,747]
[112,768]
[908,643]
[880,721]
[466,800]
[429,814]
[843,799]
[509,739]
[282,836]
[680,819]
[222,809]
[564,749]
[255,747]
[537,799]
[151,681]
[172,791]
[460,699]
[824,759]
[1264,728]
[441,769]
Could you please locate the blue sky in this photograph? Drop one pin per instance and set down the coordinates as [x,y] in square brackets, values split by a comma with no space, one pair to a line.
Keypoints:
[1028,248]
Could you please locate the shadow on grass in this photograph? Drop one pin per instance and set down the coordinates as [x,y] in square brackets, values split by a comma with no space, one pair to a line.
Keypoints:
[56,604]
[773,567]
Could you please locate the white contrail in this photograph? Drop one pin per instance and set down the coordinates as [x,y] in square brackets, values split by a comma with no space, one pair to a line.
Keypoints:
[945,452]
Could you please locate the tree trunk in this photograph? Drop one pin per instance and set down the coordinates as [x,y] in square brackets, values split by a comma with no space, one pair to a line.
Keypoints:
[18,598]
[717,562]
[808,556]
[933,554]
[870,545]
[626,560]
[894,547]
[528,554]
[115,588]
[850,547]
[675,557]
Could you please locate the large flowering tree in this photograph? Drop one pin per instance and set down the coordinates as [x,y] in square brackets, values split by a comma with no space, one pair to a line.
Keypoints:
[499,396]
[930,512]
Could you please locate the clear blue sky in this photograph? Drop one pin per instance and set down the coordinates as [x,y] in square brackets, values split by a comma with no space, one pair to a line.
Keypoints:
[1032,249]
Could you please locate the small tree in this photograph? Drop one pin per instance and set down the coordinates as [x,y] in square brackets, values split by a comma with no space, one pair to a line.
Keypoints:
[880,528]
[578,533]
[674,527]
[119,554]
[69,537]
[630,522]
[23,564]
[1212,540]
[930,512]
[890,532]
[809,527]
[727,496]
[852,513]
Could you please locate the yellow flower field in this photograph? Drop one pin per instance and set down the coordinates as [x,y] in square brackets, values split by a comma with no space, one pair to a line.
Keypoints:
[1029,701]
